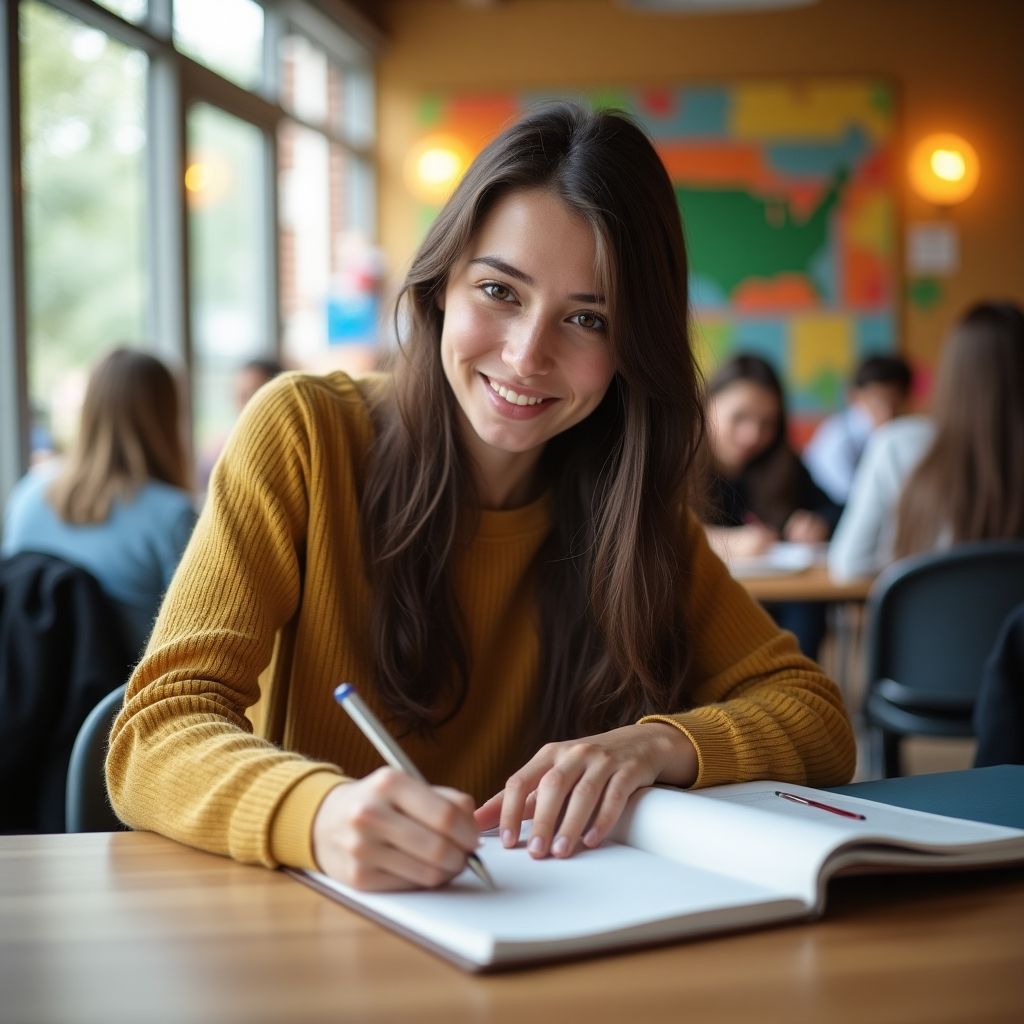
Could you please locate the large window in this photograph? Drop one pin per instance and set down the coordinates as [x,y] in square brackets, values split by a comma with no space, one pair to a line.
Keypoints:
[225,35]
[224,185]
[196,178]
[330,268]
[83,174]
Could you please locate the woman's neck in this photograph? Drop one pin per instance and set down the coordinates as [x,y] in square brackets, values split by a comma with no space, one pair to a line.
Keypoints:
[507,479]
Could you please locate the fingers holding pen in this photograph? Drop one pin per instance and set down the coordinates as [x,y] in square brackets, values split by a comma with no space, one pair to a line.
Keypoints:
[391,831]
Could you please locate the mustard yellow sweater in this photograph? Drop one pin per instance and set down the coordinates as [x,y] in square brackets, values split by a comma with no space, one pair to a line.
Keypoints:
[230,737]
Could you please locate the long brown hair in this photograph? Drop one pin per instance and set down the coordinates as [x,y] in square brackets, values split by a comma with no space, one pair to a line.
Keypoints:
[971,479]
[771,479]
[129,433]
[611,587]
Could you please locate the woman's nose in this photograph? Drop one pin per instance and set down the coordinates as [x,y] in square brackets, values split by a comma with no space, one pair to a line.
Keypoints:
[527,349]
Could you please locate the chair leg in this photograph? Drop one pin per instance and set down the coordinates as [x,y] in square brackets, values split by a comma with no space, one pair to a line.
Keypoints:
[874,762]
[891,766]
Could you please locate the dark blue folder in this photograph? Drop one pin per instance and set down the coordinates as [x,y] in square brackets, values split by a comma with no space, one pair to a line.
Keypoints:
[994,795]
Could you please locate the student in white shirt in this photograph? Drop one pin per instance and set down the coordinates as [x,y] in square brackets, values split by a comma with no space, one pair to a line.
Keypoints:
[927,483]
[878,393]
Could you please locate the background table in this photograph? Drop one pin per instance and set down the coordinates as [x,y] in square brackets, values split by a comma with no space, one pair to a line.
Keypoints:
[813,584]
[133,927]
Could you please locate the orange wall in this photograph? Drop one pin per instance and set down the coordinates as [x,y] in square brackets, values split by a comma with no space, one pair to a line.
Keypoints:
[956,67]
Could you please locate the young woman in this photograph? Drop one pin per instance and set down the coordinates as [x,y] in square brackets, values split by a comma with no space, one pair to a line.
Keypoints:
[958,476]
[492,543]
[759,490]
[118,506]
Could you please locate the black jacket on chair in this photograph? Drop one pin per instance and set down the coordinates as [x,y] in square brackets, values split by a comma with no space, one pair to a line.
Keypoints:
[61,650]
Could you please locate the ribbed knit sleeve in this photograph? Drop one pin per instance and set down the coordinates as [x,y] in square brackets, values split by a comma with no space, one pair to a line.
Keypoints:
[761,710]
[183,759]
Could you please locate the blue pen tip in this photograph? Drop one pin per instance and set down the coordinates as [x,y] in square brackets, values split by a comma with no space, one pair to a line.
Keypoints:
[342,690]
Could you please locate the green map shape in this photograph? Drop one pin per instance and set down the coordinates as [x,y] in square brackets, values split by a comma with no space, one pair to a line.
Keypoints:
[736,235]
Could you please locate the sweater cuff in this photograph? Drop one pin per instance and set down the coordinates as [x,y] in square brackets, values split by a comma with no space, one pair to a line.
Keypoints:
[716,756]
[291,830]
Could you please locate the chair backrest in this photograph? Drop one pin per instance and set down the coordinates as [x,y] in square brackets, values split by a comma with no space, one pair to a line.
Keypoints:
[933,619]
[87,808]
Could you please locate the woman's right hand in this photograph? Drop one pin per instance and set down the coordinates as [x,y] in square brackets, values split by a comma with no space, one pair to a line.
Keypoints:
[390,831]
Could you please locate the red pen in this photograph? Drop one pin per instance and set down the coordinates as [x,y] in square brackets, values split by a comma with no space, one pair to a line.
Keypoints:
[821,807]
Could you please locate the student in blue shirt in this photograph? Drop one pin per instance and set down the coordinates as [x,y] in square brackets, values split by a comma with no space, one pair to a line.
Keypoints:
[118,505]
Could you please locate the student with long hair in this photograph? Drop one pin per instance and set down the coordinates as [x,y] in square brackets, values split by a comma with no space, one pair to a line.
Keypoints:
[758,489]
[118,505]
[492,542]
[927,483]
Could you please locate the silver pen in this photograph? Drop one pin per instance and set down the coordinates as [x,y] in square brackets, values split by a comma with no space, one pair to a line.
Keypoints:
[373,729]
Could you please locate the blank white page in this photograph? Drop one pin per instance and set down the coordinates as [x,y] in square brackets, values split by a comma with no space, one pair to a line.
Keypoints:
[594,894]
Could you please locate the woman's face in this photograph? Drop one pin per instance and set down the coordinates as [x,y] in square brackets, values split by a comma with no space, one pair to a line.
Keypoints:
[525,343]
[742,420]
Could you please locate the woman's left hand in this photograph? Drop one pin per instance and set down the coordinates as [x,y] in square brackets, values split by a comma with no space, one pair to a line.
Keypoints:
[577,789]
[805,527]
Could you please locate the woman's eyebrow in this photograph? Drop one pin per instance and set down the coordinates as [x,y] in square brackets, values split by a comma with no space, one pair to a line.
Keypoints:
[520,275]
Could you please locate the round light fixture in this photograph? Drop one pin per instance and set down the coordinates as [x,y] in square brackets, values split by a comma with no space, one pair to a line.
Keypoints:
[944,169]
[434,166]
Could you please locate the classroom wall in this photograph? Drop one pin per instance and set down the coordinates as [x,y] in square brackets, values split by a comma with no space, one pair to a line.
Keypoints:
[956,67]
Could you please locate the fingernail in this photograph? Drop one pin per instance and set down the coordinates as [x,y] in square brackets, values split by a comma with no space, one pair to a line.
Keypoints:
[560,847]
[592,838]
[536,844]
[507,839]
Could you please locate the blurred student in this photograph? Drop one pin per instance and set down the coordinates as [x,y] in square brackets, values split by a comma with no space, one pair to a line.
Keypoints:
[118,505]
[759,491]
[251,376]
[930,482]
[248,379]
[878,393]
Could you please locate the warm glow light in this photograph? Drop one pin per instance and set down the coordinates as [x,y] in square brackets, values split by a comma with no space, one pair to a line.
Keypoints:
[944,169]
[434,167]
[207,179]
[195,177]
[949,165]
[438,167]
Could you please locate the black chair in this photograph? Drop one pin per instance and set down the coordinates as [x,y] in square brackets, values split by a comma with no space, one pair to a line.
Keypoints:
[87,806]
[932,621]
[61,650]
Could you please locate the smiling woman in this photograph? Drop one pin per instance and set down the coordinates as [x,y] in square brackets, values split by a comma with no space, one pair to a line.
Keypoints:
[492,542]
[524,360]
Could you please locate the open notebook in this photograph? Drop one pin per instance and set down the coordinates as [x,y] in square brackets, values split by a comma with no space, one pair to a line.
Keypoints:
[680,864]
[784,558]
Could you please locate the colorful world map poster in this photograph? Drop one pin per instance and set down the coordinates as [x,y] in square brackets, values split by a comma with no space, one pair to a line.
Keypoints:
[786,195]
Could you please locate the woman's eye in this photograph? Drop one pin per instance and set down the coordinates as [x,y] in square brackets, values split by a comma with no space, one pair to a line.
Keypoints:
[591,321]
[497,291]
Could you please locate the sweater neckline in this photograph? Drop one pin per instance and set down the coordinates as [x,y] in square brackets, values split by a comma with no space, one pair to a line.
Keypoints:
[528,520]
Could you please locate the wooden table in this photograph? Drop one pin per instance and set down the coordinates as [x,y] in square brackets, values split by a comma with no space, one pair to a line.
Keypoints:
[813,584]
[133,927]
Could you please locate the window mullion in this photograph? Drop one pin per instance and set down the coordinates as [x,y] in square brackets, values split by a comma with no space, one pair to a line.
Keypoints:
[14,410]
[170,324]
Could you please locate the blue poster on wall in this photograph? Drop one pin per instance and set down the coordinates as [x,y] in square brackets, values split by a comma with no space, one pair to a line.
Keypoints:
[352,319]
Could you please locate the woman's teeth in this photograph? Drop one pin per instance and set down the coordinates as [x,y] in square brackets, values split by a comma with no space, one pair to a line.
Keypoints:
[513,397]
